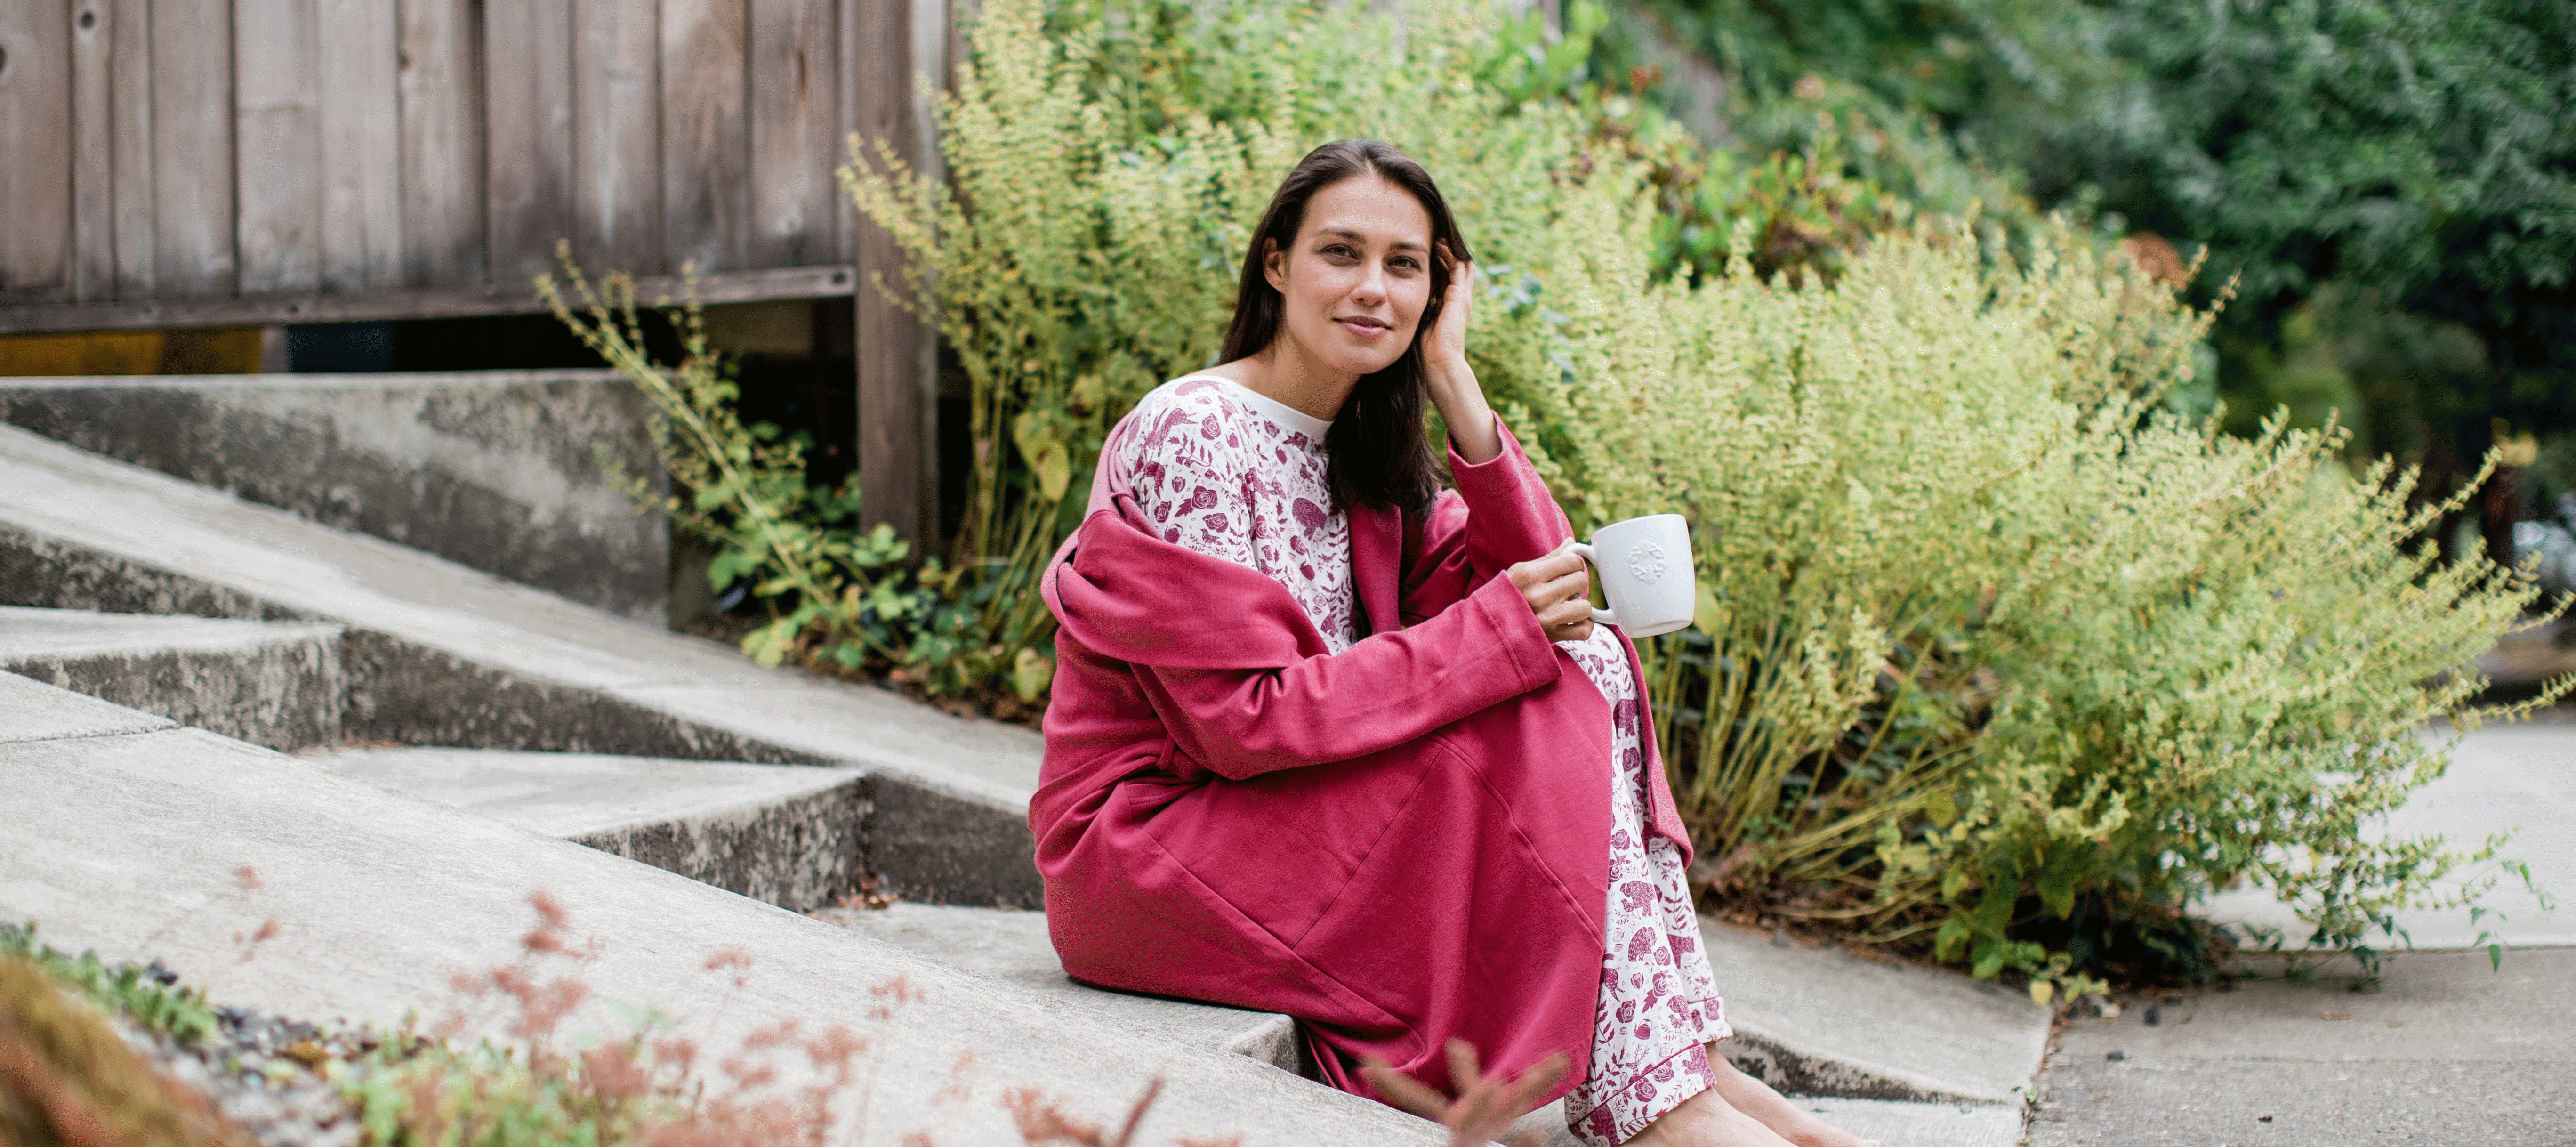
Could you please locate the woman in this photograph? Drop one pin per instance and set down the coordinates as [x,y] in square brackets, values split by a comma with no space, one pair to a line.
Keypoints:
[1328,740]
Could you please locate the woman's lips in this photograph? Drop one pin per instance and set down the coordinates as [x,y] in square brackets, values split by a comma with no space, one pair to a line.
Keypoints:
[1365,328]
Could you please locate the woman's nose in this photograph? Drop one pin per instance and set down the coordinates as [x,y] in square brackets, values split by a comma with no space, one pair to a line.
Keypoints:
[1371,289]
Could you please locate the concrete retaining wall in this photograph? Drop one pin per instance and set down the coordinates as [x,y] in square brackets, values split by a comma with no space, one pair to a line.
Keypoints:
[494,470]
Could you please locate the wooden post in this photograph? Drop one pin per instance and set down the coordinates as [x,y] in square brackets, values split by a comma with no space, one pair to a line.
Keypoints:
[36,138]
[890,46]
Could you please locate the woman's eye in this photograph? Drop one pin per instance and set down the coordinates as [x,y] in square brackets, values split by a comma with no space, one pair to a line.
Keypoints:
[1404,263]
[1337,251]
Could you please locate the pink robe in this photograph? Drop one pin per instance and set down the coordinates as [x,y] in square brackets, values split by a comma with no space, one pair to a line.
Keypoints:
[1388,844]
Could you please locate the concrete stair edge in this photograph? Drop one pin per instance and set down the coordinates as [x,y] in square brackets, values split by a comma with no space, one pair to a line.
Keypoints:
[276,684]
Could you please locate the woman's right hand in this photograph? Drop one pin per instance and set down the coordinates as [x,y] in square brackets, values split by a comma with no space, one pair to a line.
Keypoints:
[1556,588]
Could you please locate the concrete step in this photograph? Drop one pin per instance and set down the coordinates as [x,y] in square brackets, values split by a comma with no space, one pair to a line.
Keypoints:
[1892,1123]
[1012,947]
[783,834]
[1820,1021]
[131,843]
[438,654]
[788,835]
[496,470]
[270,683]
[33,711]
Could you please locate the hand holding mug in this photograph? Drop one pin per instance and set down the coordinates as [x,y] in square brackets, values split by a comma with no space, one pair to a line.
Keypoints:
[1557,588]
[1646,573]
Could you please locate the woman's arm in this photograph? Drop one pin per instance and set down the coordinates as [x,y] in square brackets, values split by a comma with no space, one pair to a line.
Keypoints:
[1445,373]
[1503,514]
[1379,693]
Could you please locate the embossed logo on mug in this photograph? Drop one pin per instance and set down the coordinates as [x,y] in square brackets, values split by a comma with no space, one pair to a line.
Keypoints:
[1646,562]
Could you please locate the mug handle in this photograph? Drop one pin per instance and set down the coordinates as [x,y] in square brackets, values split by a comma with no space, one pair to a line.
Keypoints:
[1599,616]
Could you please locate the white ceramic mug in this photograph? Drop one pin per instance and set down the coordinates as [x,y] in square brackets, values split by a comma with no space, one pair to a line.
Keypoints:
[1644,566]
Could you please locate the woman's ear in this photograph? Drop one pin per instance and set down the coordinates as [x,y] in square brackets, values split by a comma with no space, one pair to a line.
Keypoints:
[1274,265]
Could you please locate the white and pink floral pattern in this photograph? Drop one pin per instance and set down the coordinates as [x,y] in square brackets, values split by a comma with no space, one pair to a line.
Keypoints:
[1226,472]
[1659,1001]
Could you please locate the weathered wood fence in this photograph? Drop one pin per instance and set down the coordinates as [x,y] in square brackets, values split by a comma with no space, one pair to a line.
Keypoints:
[169,163]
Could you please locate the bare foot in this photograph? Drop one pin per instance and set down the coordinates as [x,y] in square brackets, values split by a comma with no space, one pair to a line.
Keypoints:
[1705,1120]
[1756,1099]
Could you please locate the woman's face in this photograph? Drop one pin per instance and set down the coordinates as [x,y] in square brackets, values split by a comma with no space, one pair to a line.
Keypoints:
[1354,283]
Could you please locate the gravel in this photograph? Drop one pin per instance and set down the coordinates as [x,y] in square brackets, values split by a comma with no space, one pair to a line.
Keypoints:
[268,1074]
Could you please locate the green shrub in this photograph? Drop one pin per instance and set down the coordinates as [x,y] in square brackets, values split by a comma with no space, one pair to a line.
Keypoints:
[1990,651]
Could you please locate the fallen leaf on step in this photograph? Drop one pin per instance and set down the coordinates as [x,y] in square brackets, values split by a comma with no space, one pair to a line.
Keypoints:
[2326,1015]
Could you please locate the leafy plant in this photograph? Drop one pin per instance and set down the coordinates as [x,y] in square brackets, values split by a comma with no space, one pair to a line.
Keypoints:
[143,993]
[742,489]
[67,1078]
[1989,638]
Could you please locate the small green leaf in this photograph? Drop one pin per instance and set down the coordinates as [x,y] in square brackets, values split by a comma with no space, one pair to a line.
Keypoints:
[2057,888]
[1031,673]
[1989,963]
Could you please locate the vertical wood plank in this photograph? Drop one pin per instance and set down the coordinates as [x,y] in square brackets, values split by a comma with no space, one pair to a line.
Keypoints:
[192,137]
[706,153]
[794,89]
[528,143]
[131,160]
[938,41]
[440,91]
[278,145]
[36,141]
[361,145]
[897,364]
[846,64]
[617,135]
[93,151]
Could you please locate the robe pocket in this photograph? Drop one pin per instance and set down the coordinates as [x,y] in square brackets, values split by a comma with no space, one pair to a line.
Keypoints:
[1282,846]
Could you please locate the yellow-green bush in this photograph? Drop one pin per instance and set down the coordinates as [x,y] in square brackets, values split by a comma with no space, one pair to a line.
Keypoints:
[1995,659]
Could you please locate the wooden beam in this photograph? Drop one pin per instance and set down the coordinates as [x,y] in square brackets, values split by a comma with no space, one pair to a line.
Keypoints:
[433,303]
[617,135]
[130,102]
[361,145]
[36,141]
[93,27]
[527,134]
[706,142]
[895,43]
[277,141]
[795,129]
[439,95]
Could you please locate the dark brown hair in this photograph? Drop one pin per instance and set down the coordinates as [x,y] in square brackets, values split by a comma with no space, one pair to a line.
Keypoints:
[1378,455]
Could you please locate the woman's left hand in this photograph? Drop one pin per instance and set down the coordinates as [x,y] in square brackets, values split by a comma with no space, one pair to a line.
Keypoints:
[1445,373]
[1444,346]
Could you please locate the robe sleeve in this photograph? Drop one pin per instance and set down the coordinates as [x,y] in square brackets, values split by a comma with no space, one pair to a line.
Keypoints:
[1500,515]
[1380,693]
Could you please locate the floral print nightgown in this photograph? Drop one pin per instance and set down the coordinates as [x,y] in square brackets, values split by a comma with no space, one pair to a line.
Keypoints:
[1226,472]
